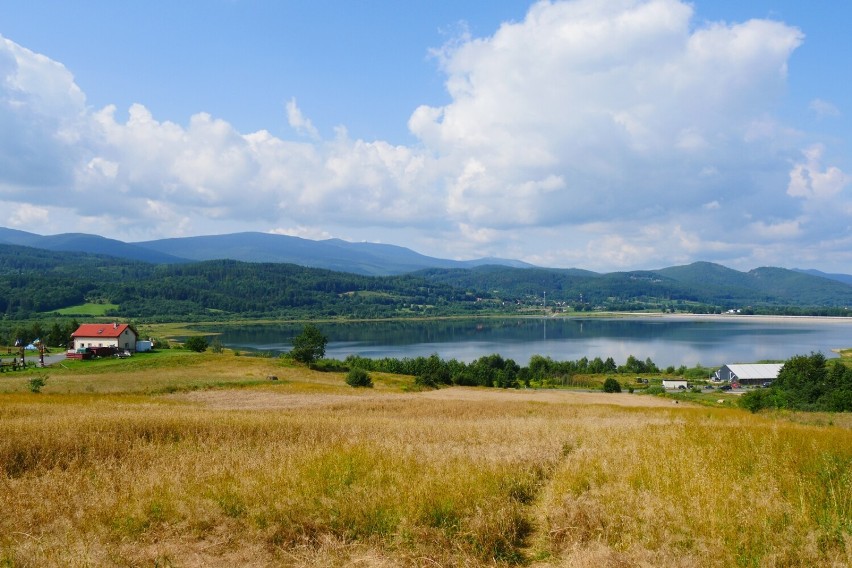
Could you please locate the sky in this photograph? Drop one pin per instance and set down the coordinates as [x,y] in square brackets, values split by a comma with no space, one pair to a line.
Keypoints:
[606,135]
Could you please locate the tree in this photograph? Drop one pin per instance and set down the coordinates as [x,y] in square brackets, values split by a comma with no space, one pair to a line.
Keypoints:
[357,377]
[196,343]
[309,345]
[611,385]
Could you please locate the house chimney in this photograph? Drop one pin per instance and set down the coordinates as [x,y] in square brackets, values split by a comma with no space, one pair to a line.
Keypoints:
[115,325]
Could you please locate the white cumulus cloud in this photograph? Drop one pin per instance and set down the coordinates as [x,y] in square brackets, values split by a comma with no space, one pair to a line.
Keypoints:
[599,134]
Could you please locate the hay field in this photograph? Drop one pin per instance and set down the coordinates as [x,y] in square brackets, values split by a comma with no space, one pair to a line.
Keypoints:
[183,463]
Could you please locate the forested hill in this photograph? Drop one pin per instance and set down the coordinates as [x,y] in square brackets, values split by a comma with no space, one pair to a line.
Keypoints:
[35,281]
[698,283]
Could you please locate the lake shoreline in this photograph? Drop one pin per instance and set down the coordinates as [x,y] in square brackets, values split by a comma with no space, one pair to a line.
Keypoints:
[744,318]
[667,339]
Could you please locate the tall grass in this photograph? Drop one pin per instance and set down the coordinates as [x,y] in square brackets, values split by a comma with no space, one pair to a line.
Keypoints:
[699,488]
[390,481]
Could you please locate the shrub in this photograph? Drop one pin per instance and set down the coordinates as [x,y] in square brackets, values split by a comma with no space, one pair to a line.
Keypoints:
[36,383]
[656,389]
[358,377]
[426,380]
[611,385]
[196,343]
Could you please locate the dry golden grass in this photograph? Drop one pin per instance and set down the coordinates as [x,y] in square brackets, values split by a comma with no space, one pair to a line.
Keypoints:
[305,471]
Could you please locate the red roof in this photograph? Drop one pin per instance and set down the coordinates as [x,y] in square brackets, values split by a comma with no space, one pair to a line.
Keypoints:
[100,330]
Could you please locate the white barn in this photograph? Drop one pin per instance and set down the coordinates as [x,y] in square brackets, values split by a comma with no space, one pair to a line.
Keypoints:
[749,374]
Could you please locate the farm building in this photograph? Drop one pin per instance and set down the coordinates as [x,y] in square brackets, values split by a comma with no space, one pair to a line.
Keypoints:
[754,374]
[675,383]
[93,335]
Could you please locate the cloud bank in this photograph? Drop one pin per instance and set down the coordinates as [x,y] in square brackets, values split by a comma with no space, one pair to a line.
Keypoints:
[604,135]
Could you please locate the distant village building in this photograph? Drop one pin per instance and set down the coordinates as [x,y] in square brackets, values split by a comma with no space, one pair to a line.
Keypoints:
[753,374]
[93,335]
[675,383]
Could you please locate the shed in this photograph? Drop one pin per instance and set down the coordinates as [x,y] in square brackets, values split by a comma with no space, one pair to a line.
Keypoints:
[675,383]
[749,374]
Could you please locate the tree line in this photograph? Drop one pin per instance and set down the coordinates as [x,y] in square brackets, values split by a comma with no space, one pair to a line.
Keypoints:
[806,382]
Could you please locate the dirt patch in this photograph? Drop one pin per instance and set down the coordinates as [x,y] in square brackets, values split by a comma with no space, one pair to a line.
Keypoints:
[551,396]
[245,399]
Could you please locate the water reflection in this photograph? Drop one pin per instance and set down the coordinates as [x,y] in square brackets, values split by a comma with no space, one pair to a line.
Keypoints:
[665,341]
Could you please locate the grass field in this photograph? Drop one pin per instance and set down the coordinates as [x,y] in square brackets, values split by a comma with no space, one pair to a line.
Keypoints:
[184,459]
[90,309]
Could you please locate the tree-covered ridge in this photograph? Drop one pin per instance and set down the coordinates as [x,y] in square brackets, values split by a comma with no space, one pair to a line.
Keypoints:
[35,281]
[698,283]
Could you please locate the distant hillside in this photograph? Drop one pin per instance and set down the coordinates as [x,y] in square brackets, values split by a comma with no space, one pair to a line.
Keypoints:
[80,242]
[38,281]
[845,278]
[332,254]
[701,282]
[265,275]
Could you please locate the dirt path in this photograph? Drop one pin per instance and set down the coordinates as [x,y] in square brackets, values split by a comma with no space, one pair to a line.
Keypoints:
[250,399]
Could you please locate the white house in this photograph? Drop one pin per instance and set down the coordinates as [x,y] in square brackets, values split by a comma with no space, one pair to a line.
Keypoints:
[675,383]
[750,374]
[118,335]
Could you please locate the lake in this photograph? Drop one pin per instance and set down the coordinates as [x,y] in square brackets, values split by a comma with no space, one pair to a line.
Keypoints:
[708,341]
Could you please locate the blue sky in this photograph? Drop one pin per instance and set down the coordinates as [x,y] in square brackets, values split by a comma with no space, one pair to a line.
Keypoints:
[606,135]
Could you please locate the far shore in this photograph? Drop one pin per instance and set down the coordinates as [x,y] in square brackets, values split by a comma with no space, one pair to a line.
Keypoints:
[754,318]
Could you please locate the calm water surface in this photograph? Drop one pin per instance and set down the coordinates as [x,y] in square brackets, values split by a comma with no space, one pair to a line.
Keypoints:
[667,341]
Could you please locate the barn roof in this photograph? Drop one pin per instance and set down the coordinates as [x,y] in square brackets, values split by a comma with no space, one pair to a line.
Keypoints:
[756,370]
[100,330]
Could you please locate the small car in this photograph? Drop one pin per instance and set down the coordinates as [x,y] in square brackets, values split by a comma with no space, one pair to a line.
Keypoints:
[725,387]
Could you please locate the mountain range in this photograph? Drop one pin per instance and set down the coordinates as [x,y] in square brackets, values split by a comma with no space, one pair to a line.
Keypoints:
[195,274]
[703,282]
[370,259]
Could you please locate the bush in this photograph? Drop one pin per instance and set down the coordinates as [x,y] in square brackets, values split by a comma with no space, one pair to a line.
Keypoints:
[611,385]
[358,377]
[656,389]
[36,383]
[196,343]
[426,380]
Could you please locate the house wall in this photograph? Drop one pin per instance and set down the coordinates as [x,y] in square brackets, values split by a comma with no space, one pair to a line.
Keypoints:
[82,342]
